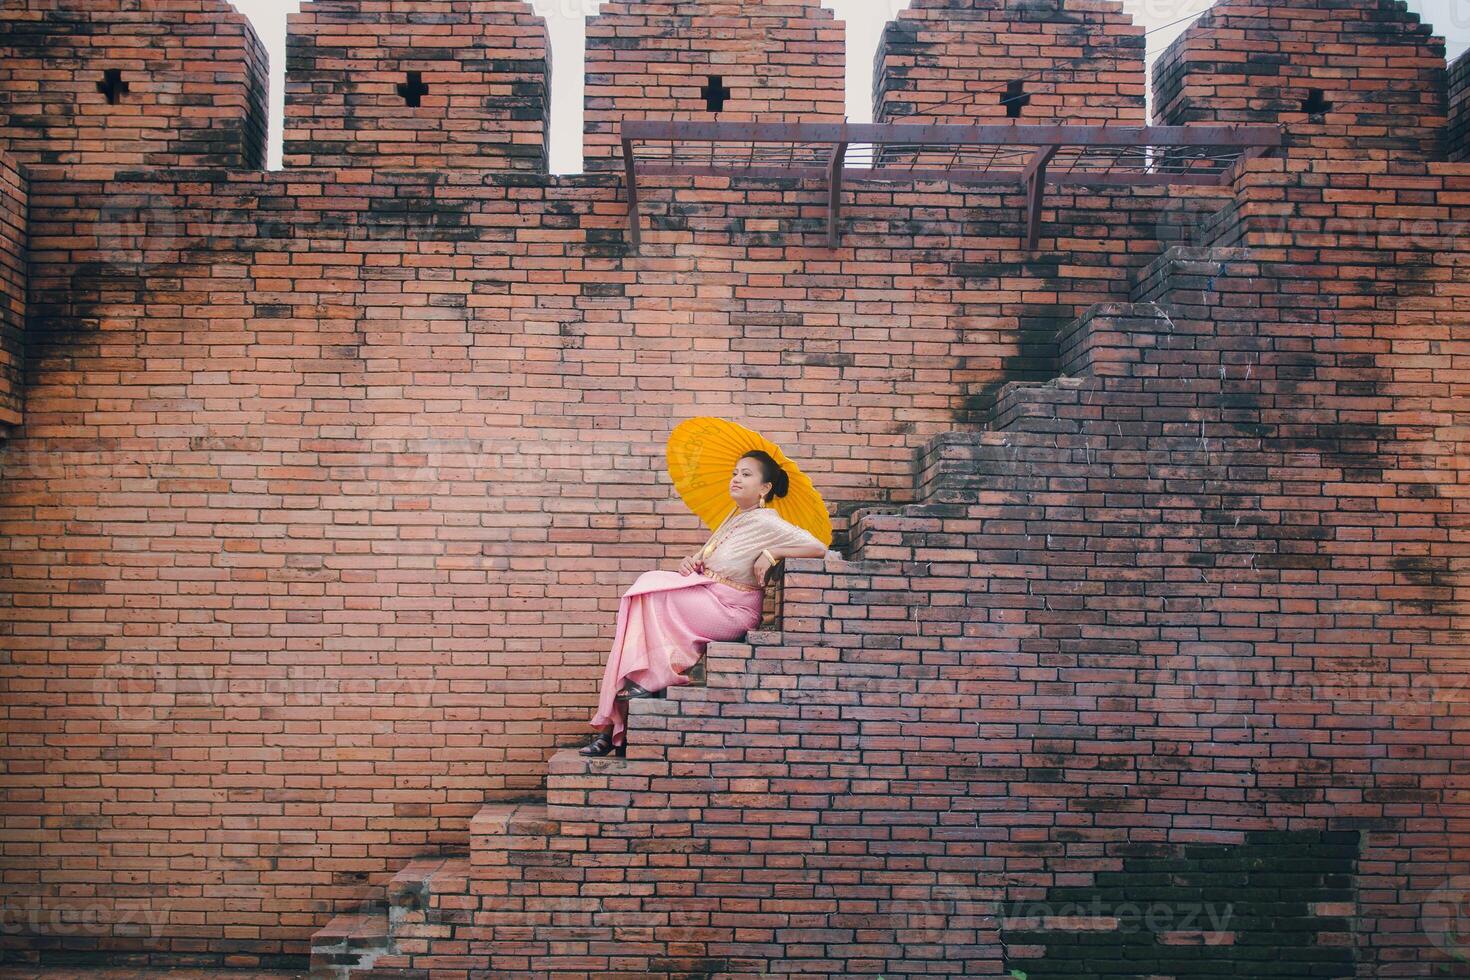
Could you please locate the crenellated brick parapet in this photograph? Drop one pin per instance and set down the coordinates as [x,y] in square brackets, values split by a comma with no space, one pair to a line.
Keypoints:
[1078,62]
[132,83]
[1351,79]
[767,61]
[420,84]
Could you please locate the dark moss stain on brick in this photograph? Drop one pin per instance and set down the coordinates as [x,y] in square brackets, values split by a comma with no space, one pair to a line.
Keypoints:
[1262,902]
[422,219]
[1036,354]
[65,310]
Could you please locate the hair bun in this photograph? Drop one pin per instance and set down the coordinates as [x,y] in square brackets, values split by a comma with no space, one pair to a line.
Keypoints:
[780,482]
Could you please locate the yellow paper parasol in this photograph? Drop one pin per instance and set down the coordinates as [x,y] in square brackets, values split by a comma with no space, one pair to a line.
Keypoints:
[702,453]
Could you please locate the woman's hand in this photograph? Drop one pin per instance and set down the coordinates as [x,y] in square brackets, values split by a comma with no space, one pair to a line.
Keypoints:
[761,568]
[691,565]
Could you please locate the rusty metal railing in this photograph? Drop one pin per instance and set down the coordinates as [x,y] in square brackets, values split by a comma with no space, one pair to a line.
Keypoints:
[1024,156]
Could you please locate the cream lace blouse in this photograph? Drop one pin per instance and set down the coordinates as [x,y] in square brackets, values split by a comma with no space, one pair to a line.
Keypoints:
[730,552]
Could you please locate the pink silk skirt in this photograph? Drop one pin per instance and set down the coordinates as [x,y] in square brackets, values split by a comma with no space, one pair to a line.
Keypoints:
[665,620]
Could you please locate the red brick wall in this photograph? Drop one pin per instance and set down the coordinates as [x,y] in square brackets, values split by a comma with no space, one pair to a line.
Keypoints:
[328,483]
[1380,72]
[196,76]
[12,288]
[1458,136]
[1078,61]
[781,60]
[487,67]
[321,548]
[1188,619]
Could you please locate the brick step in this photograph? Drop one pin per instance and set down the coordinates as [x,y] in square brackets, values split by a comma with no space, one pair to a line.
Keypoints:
[350,944]
[1030,406]
[1004,479]
[1077,413]
[868,519]
[1248,218]
[508,843]
[1218,227]
[722,660]
[1165,329]
[521,857]
[1126,340]
[582,789]
[893,538]
[1183,276]
[589,789]
[424,902]
[990,542]
[1007,465]
[728,659]
[429,892]
[495,822]
[1046,434]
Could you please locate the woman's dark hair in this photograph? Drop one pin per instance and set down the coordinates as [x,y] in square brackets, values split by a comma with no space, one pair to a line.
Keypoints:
[771,472]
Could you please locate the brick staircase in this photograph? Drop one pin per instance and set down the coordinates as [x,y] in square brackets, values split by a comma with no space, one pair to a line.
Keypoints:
[424,902]
[1127,370]
[986,651]
[517,876]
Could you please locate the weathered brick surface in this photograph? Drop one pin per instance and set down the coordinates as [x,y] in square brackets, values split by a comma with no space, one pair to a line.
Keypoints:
[350,533]
[1146,661]
[1291,910]
[1458,135]
[482,100]
[194,71]
[1351,79]
[1151,588]
[1075,61]
[13,195]
[778,60]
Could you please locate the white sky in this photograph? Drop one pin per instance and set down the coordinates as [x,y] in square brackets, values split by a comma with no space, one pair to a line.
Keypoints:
[1164,19]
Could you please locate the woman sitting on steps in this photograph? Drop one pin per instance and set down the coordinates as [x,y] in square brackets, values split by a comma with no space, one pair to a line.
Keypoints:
[666,619]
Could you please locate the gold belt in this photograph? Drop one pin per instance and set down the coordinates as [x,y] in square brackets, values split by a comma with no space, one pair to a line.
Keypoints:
[723,580]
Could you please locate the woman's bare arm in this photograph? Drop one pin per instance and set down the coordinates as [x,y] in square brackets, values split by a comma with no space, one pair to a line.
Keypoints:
[797,552]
